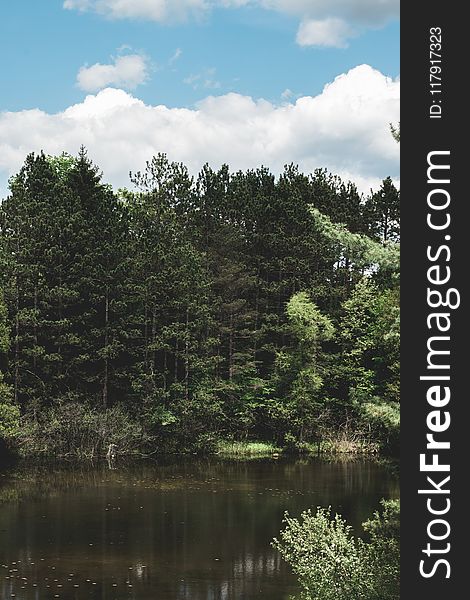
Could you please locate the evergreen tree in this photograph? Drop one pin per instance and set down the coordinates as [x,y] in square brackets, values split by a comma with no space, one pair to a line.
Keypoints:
[384,211]
[199,308]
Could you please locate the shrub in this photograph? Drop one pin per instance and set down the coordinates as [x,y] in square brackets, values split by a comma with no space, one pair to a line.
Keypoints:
[9,425]
[383,550]
[383,421]
[332,564]
[77,430]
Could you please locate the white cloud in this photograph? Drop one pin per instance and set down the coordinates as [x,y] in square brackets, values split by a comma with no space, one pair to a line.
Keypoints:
[331,32]
[154,10]
[357,14]
[127,72]
[205,79]
[332,22]
[367,12]
[176,55]
[345,129]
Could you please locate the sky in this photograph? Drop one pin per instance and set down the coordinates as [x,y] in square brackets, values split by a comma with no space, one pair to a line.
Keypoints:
[243,82]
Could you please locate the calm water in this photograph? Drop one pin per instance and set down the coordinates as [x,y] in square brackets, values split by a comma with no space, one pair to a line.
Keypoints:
[192,530]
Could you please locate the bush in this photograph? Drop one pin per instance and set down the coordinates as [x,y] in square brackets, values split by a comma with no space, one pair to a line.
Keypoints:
[383,421]
[77,430]
[383,550]
[332,564]
[9,425]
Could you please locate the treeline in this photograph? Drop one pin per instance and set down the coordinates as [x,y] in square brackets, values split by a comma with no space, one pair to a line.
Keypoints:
[227,306]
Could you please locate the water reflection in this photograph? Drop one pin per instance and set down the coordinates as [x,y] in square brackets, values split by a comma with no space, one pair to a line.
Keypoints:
[192,530]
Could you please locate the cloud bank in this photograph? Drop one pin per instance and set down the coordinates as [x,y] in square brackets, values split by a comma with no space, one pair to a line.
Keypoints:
[345,129]
[341,19]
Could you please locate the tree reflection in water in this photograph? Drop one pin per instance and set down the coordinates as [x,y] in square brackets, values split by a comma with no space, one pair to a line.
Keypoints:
[187,530]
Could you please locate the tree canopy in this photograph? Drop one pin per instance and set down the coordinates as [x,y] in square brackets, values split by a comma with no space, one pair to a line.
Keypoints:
[230,305]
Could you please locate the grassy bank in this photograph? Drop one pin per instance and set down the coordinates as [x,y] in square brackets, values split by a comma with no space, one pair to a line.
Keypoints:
[237,449]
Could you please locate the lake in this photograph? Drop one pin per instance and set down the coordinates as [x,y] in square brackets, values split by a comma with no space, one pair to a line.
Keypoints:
[188,529]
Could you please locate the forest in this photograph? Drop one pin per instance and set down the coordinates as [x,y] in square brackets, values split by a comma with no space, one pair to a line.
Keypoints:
[187,312]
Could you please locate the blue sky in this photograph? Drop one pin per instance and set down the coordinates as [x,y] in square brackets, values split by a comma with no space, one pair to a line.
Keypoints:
[179,53]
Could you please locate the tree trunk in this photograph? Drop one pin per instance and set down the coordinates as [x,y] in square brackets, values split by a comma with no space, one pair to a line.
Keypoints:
[146,335]
[230,349]
[176,359]
[106,342]
[35,325]
[255,341]
[59,345]
[186,358]
[154,336]
[17,341]
[165,368]
[385,226]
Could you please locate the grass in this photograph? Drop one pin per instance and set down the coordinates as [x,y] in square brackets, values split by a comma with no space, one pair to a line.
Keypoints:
[339,445]
[246,449]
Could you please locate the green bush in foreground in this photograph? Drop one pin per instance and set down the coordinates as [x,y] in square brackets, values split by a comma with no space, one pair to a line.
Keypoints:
[332,564]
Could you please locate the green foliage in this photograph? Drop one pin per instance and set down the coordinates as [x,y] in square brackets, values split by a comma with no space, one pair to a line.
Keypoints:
[362,251]
[307,322]
[4,329]
[62,164]
[383,422]
[300,371]
[384,526]
[246,449]
[324,555]
[9,414]
[9,420]
[368,337]
[332,564]
[395,131]
[228,306]
[383,550]
[78,430]
[384,207]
